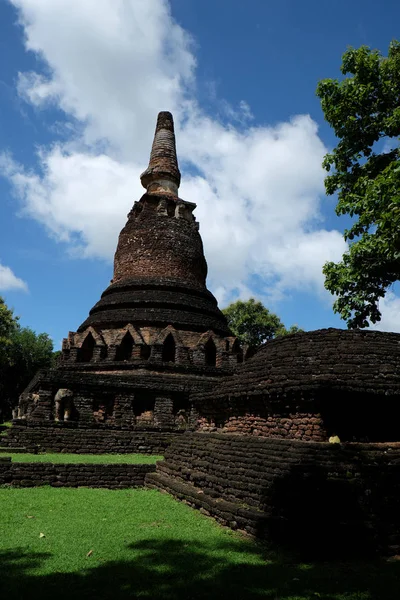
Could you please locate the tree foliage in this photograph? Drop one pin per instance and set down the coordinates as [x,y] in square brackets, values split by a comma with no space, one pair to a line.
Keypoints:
[364,170]
[22,354]
[8,324]
[254,324]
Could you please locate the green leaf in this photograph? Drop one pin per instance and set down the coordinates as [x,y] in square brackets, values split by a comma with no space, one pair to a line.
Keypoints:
[363,109]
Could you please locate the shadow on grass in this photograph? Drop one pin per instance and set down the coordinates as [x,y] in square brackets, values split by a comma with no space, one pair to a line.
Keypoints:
[174,569]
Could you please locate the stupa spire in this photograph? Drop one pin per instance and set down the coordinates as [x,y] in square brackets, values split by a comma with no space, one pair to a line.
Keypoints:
[163,175]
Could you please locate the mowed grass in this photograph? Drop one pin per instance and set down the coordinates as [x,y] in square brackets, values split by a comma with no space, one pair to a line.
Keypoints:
[126,544]
[131,459]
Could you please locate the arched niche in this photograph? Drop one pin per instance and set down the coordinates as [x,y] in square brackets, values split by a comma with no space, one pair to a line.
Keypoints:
[85,353]
[103,409]
[169,349]
[145,352]
[250,352]
[143,407]
[210,353]
[124,350]
[236,349]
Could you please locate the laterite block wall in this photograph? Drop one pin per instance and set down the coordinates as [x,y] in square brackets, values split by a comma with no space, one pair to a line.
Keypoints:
[247,416]
[72,475]
[310,386]
[307,494]
[71,439]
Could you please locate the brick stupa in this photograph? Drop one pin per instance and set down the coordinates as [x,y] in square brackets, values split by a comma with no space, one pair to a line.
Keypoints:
[157,333]
[299,444]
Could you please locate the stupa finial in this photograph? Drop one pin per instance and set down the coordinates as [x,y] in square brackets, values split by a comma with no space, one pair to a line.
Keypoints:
[163,175]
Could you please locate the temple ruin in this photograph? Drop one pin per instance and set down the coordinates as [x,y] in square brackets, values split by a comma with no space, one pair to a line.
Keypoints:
[157,334]
[155,369]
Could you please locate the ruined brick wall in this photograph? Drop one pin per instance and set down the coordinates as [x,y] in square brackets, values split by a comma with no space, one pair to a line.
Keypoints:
[354,417]
[73,475]
[344,360]
[68,437]
[309,386]
[302,493]
[248,417]
[114,398]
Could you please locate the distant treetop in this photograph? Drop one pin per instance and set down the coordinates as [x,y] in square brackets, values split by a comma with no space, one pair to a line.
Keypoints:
[253,323]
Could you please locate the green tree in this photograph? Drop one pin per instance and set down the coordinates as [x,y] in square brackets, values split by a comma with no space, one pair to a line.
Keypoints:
[364,109]
[8,326]
[254,324]
[22,354]
[29,353]
[292,329]
[55,358]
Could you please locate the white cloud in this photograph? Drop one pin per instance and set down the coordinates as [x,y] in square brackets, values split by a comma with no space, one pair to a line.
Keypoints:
[9,281]
[390,311]
[112,65]
[82,199]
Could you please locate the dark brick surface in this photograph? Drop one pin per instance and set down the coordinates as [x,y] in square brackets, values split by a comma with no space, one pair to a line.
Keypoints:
[310,386]
[357,361]
[73,475]
[303,493]
[80,440]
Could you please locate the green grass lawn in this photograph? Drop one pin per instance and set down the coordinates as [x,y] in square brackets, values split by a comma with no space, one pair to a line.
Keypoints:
[132,459]
[64,544]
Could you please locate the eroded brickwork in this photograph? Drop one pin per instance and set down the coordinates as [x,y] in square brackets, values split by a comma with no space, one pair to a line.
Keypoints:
[109,476]
[300,426]
[315,497]
[162,174]
[154,245]
[73,439]
[311,386]
[338,359]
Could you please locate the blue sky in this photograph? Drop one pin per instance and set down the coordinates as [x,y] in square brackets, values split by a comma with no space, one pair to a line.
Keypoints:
[80,87]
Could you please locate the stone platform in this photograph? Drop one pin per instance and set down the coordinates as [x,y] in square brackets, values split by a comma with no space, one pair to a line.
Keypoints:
[306,495]
[75,439]
[111,476]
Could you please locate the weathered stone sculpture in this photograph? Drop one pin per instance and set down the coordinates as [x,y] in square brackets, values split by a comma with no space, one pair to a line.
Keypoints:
[63,405]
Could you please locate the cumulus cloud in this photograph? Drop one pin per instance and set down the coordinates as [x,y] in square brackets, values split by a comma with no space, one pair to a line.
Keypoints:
[390,311]
[82,199]
[110,66]
[257,188]
[9,281]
